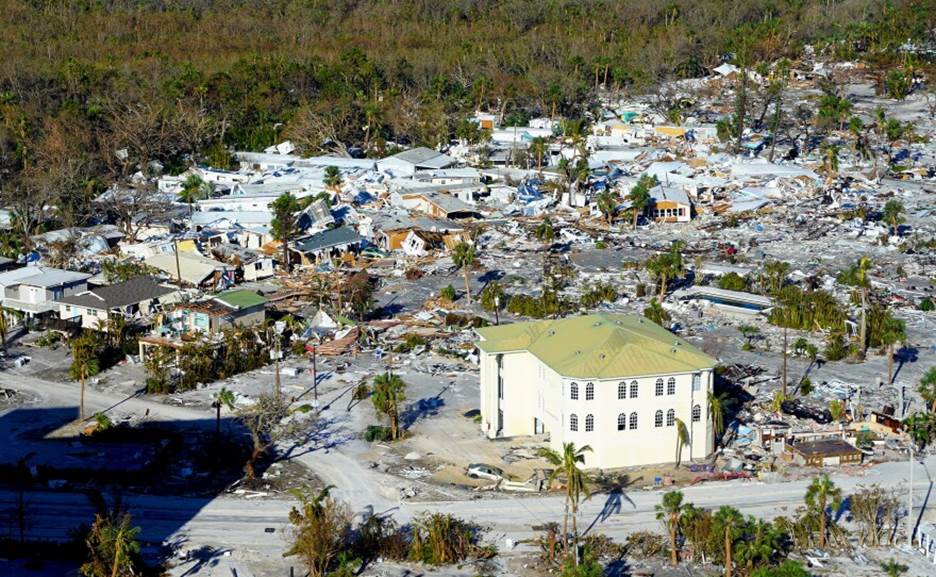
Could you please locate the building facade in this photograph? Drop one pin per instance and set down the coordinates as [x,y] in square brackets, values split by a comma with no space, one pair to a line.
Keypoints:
[617,383]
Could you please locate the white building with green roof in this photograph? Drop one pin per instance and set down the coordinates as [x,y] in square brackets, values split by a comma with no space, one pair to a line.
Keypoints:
[618,383]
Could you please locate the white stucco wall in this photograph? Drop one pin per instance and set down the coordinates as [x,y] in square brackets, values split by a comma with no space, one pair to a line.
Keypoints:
[532,391]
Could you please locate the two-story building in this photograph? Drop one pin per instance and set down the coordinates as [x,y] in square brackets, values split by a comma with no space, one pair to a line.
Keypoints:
[135,299]
[34,290]
[617,383]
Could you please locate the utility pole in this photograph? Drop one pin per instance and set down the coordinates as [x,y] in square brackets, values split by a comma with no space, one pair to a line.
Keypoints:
[175,245]
[497,310]
[315,402]
[910,502]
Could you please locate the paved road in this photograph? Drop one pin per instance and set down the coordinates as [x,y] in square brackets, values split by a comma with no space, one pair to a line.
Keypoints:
[243,523]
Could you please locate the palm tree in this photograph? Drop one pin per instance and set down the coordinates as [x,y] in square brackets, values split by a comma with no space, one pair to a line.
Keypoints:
[332,177]
[893,331]
[639,196]
[927,388]
[224,397]
[670,513]
[389,391]
[566,465]
[538,148]
[84,364]
[864,284]
[194,189]
[821,494]
[6,315]
[729,520]
[893,214]
[682,439]
[463,256]
[607,204]
[717,405]
[774,275]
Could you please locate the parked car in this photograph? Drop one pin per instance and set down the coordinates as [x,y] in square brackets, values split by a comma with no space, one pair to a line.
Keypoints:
[482,471]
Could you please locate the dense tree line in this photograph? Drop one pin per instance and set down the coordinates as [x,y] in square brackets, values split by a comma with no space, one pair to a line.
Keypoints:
[175,81]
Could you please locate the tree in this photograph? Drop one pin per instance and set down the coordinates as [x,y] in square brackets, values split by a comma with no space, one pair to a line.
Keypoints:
[863,281]
[389,391]
[84,365]
[225,398]
[321,529]
[463,256]
[607,204]
[667,265]
[113,549]
[717,406]
[728,525]
[194,189]
[285,223]
[893,214]
[639,195]
[566,465]
[893,331]
[774,275]
[6,315]
[539,148]
[333,177]
[821,496]
[263,420]
[682,439]
[927,388]
[670,513]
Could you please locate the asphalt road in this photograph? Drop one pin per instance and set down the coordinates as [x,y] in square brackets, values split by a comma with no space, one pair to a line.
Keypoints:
[258,524]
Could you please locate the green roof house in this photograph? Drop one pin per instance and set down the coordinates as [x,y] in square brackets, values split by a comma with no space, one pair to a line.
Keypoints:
[618,383]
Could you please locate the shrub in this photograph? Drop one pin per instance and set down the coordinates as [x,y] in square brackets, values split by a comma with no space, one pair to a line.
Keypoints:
[598,294]
[836,348]
[600,245]
[489,293]
[640,291]
[448,293]
[546,305]
[733,282]
[441,539]
[927,304]
[410,342]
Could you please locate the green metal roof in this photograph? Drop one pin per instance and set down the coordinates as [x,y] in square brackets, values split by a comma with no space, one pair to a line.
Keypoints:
[240,299]
[598,346]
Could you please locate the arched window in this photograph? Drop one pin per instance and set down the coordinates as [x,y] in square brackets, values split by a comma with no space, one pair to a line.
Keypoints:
[670,418]
[589,423]
[573,391]
[622,390]
[573,422]
[633,421]
[696,413]
[622,422]
[633,391]
[658,419]
[659,387]
[671,386]
[590,392]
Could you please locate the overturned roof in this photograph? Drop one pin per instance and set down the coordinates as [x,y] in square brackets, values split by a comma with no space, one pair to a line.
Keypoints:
[599,346]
